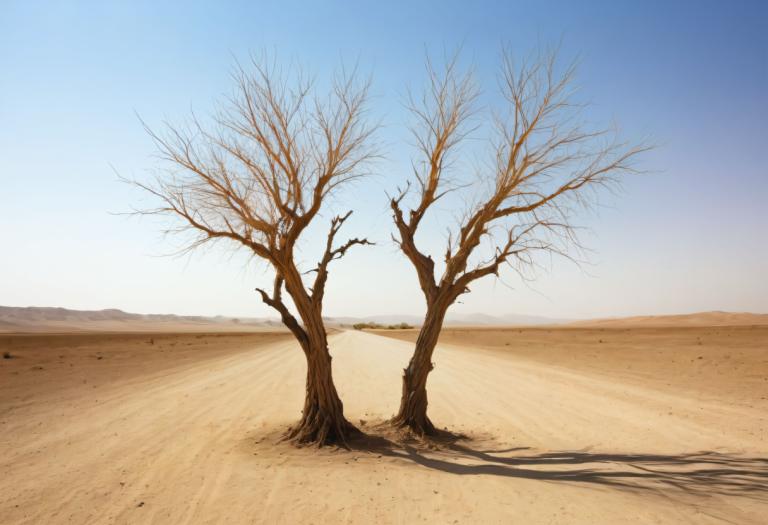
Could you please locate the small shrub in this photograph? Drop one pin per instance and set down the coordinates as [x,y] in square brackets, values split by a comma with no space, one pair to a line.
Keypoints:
[366,326]
[401,326]
[377,326]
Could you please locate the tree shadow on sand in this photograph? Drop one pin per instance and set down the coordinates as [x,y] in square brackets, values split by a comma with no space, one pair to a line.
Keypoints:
[704,473]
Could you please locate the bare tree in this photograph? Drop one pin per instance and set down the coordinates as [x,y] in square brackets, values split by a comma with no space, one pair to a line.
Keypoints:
[543,165]
[256,176]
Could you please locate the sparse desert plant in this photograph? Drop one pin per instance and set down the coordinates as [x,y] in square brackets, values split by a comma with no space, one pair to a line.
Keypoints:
[377,326]
[257,177]
[542,165]
[366,326]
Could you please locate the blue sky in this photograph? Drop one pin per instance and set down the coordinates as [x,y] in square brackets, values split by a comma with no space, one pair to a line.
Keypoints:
[691,76]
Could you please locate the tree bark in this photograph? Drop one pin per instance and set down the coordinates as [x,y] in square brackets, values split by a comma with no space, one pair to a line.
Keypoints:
[413,402]
[322,421]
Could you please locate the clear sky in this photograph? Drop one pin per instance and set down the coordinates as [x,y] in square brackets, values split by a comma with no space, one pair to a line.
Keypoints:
[692,76]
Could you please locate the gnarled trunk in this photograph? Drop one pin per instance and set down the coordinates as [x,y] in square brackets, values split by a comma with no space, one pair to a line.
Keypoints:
[322,421]
[413,402]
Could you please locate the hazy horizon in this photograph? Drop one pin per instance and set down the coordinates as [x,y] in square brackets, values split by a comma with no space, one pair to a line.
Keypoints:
[394,315]
[685,237]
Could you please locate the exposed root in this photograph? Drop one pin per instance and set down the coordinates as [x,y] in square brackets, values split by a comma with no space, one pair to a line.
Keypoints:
[420,426]
[322,430]
[436,439]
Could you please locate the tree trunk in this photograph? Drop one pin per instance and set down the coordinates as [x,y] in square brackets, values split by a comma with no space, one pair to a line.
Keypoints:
[413,403]
[322,421]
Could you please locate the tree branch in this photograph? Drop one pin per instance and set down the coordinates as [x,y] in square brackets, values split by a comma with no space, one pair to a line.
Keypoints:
[259,177]
[332,254]
[424,265]
[543,161]
[276,302]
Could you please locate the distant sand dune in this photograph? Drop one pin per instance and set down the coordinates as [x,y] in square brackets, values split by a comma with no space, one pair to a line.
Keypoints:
[697,319]
[62,320]
[43,319]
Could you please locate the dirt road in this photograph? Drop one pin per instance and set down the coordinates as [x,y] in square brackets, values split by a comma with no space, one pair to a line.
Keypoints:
[195,444]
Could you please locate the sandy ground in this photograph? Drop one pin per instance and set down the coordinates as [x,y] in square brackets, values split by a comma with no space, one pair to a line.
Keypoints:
[703,363]
[188,435]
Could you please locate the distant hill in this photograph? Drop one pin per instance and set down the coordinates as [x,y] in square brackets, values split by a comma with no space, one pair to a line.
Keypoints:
[505,320]
[49,319]
[476,319]
[696,319]
[42,319]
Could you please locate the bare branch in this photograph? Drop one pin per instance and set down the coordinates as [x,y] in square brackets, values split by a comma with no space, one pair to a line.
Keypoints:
[546,164]
[259,170]
[441,115]
[331,254]
[276,302]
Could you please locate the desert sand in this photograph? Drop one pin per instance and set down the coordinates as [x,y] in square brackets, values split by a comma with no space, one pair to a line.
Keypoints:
[152,428]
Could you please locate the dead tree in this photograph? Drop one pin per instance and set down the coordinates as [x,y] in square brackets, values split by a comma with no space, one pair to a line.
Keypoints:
[256,176]
[542,165]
